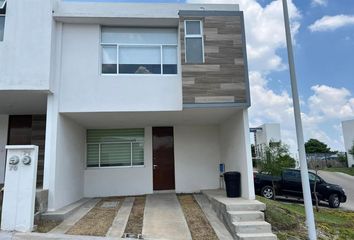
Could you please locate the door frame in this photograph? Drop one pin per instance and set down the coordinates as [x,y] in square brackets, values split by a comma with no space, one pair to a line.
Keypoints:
[173,188]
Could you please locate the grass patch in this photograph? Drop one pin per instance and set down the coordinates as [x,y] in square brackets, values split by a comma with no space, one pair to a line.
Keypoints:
[288,221]
[198,224]
[349,171]
[136,217]
[98,220]
[44,226]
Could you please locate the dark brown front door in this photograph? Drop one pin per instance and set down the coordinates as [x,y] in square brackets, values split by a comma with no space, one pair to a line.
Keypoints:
[163,158]
[29,129]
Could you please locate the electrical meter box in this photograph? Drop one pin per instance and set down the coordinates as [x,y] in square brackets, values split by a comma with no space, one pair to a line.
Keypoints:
[20,188]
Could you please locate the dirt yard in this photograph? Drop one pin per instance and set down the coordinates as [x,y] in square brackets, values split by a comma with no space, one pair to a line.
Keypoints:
[44,226]
[136,217]
[198,224]
[97,221]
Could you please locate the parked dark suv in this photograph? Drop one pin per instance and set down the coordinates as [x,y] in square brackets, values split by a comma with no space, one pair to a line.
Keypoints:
[289,184]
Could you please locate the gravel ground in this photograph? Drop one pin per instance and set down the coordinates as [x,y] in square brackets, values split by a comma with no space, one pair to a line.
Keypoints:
[198,224]
[97,221]
[136,217]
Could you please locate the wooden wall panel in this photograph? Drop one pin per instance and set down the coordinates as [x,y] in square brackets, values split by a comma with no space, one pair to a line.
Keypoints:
[29,130]
[221,78]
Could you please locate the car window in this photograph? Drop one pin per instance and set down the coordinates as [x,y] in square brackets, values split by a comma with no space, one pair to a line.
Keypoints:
[313,177]
[292,175]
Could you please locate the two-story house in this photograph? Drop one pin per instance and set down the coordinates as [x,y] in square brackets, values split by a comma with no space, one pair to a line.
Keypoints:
[123,98]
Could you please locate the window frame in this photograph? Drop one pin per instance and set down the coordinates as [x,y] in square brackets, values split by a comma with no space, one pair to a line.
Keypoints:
[3,8]
[118,45]
[99,155]
[201,35]
[3,5]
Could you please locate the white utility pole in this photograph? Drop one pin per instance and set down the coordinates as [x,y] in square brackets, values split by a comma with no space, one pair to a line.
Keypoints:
[310,220]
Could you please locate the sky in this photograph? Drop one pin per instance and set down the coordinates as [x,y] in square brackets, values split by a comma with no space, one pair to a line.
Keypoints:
[323,38]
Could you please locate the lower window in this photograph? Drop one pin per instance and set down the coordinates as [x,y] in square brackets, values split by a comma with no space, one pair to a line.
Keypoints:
[115,147]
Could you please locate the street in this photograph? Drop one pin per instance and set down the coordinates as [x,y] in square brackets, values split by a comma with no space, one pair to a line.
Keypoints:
[345,181]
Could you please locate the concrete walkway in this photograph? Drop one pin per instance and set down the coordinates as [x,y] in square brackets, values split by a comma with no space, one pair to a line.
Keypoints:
[121,220]
[75,217]
[164,218]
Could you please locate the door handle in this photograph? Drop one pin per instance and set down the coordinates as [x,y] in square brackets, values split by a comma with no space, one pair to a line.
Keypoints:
[154,166]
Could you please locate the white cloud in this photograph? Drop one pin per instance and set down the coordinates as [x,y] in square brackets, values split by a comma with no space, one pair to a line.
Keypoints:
[330,23]
[326,105]
[331,102]
[319,2]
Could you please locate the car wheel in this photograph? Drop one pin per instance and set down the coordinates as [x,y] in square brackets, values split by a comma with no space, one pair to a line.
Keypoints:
[267,192]
[334,201]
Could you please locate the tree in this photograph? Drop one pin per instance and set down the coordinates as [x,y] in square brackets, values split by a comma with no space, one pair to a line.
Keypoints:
[342,157]
[316,146]
[275,159]
[315,189]
[351,150]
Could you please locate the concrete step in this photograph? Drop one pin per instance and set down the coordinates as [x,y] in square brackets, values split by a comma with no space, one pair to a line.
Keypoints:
[64,212]
[246,216]
[246,206]
[252,227]
[257,236]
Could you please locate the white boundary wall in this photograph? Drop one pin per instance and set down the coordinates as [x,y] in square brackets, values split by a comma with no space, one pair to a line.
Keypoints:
[348,135]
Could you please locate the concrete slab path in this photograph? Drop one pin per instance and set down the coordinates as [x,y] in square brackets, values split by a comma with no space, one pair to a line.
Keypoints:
[212,217]
[120,221]
[76,216]
[164,218]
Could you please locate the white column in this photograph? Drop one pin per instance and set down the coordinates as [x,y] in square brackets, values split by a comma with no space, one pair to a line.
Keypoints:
[50,149]
[52,119]
[248,166]
[4,124]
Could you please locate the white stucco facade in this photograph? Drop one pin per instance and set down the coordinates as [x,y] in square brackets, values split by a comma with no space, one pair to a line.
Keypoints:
[348,136]
[60,76]
[105,93]
[25,53]
[197,157]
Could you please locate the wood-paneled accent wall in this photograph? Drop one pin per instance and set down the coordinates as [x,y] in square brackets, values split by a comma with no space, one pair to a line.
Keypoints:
[221,78]
[29,130]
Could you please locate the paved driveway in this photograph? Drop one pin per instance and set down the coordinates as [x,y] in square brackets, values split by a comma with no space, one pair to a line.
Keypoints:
[344,180]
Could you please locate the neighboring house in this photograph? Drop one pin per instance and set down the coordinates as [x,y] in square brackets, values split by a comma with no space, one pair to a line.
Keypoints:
[125,99]
[348,136]
[263,136]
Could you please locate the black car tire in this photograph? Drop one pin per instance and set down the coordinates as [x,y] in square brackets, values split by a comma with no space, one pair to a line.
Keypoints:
[267,192]
[334,201]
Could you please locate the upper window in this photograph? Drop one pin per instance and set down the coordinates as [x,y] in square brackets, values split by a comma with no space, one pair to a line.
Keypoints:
[194,42]
[2,18]
[139,50]
[115,147]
